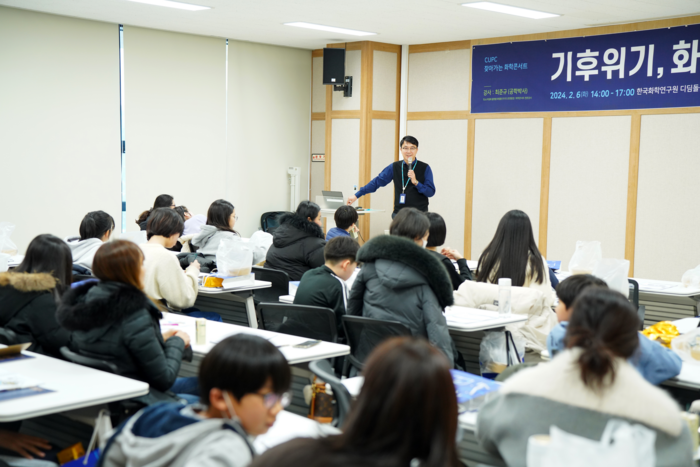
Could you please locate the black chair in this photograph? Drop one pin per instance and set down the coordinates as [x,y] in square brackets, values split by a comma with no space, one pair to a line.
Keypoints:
[280,285]
[311,322]
[364,334]
[323,370]
[269,221]
[8,337]
[90,362]
[634,298]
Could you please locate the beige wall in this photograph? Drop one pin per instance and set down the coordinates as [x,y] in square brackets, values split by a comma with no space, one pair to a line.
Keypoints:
[59,123]
[268,127]
[345,149]
[668,225]
[438,81]
[507,175]
[383,148]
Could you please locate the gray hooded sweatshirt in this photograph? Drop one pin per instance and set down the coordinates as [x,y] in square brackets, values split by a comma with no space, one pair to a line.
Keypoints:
[173,435]
[208,239]
[83,251]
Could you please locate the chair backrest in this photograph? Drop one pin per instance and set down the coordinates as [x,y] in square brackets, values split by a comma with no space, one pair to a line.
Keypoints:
[95,363]
[8,337]
[279,281]
[364,334]
[269,221]
[323,369]
[634,299]
[311,322]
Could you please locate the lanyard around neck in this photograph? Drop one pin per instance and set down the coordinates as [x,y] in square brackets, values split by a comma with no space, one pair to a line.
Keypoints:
[403,190]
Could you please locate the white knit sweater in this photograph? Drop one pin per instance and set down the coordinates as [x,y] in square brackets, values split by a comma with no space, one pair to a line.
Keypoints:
[165,279]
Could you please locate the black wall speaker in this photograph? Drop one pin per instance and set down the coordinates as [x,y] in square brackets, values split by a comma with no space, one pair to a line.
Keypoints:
[334,66]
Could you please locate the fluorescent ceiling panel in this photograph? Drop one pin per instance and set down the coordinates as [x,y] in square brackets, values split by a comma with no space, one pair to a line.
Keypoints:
[321,27]
[171,4]
[510,10]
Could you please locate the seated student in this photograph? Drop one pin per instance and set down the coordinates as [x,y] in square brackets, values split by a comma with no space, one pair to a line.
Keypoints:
[401,281]
[114,320]
[345,221]
[162,201]
[325,286]
[243,384]
[405,415]
[193,223]
[655,362]
[221,218]
[29,295]
[164,278]
[513,253]
[584,387]
[438,232]
[95,229]
[297,244]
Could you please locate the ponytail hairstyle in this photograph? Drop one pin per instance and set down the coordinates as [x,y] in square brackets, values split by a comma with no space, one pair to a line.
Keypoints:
[219,214]
[511,249]
[308,210]
[162,201]
[604,326]
[95,224]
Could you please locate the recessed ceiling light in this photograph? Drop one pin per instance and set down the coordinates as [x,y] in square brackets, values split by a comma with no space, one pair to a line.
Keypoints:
[171,4]
[510,10]
[321,27]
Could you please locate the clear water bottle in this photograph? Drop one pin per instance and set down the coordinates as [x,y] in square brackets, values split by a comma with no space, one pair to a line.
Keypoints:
[504,296]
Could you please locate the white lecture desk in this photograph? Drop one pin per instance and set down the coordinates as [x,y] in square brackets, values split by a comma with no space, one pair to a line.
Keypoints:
[74,387]
[236,306]
[289,426]
[298,358]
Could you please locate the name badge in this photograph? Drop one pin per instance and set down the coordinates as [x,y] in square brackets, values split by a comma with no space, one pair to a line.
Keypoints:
[402,198]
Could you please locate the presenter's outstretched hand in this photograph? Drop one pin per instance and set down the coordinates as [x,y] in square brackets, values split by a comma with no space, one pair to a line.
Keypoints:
[412,176]
[351,199]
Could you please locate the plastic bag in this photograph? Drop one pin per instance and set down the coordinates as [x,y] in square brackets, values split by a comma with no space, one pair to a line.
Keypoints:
[615,273]
[585,258]
[234,257]
[493,358]
[622,445]
[688,346]
[691,278]
[7,246]
[261,242]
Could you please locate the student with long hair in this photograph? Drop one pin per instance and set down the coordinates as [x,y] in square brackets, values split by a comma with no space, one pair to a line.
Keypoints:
[436,239]
[513,253]
[164,278]
[114,320]
[406,414]
[401,281]
[244,382]
[297,244]
[95,229]
[162,201]
[221,218]
[29,295]
[584,387]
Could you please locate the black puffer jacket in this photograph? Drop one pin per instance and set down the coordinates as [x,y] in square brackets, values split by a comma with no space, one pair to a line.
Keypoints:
[297,246]
[28,307]
[118,323]
[403,282]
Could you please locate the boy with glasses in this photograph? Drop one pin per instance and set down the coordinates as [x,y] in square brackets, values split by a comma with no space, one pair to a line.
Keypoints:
[243,383]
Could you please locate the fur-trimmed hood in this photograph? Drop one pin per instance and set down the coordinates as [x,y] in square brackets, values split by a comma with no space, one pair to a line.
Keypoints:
[401,250]
[294,228]
[100,304]
[28,282]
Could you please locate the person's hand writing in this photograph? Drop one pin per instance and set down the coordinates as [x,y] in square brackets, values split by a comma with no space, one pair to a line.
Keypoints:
[412,176]
[351,199]
[184,336]
[168,334]
[451,253]
[24,445]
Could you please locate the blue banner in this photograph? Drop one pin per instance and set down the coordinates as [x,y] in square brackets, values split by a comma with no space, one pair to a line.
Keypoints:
[634,70]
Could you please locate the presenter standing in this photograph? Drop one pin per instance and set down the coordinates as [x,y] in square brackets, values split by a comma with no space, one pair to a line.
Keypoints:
[413,179]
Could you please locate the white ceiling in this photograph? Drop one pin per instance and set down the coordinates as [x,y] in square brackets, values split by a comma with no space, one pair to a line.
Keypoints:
[395,21]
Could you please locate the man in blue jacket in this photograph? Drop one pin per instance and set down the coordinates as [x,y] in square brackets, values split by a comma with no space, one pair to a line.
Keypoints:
[413,180]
